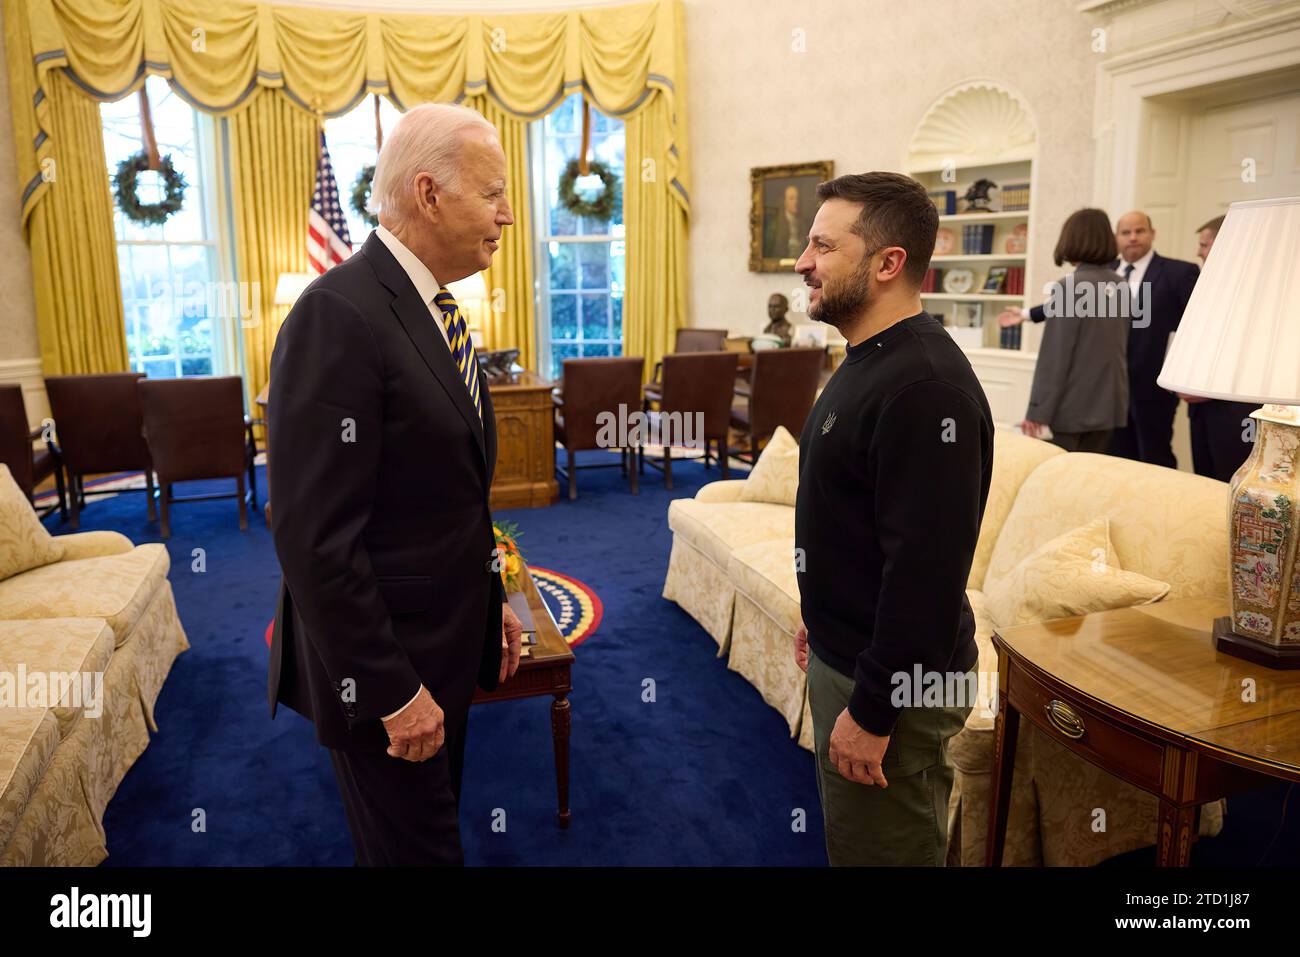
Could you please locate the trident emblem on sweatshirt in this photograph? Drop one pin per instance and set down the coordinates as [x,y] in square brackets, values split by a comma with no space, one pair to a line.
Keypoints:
[828,424]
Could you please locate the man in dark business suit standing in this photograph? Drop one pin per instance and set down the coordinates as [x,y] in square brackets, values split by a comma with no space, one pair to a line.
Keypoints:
[391,606]
[1161,287]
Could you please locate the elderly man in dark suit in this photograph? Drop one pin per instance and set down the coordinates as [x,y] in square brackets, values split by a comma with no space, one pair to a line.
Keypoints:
[1161,288]
[391,602]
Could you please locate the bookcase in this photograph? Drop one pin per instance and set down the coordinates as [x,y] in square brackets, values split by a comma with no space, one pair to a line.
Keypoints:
[981,129]
[971,308]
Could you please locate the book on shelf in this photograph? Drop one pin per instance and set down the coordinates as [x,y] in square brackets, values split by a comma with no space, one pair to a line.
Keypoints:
[1015,282]
[977,239]
[933,281]
[1015,197]
[945,201]
[1009,338]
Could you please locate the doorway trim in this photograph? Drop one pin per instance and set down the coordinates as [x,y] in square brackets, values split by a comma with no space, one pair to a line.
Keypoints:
[1127,80]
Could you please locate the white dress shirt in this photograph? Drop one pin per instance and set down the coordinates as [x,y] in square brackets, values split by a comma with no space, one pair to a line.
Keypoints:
[1139,270]
[427,286]
[425,282]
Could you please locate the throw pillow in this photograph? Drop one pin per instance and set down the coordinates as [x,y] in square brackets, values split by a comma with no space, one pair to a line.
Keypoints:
[775,476]
[1073,574]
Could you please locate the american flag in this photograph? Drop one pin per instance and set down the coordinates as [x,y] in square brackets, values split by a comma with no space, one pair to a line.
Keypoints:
[328,242]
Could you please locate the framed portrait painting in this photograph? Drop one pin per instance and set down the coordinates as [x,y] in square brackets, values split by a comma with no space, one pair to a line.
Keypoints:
[783,202]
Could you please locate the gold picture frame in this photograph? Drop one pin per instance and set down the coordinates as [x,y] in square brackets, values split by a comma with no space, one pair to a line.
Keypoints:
[774,190]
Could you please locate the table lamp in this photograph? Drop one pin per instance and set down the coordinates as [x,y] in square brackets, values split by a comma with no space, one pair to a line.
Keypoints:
[1240,340]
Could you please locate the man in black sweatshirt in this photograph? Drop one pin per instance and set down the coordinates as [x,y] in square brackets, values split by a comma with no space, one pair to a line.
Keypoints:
[894,468]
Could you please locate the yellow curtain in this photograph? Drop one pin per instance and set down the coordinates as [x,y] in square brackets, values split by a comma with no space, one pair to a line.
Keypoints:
[74,252]
[508,313]
[273,147]
[654,212]
[630,60]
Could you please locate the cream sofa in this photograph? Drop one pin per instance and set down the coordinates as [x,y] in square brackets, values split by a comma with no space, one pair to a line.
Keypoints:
[103,606]
[732,569]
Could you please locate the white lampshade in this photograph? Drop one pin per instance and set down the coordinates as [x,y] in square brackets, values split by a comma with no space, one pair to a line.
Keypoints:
[469,288]
[1239,338]
[290,285]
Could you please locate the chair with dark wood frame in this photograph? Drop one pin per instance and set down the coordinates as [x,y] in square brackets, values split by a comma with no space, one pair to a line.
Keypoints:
[591,387]
[100,430]
[697,388]
[689,339]
[197,429]
[29,466]
[781,390]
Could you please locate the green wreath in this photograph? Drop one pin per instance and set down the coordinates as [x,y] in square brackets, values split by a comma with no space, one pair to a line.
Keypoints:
[602,207]
[361,195]
[126,181]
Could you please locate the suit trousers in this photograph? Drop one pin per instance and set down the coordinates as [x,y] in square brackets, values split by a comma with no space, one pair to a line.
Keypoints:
[1096,441]
[905,824]
[403,813]
[1218,437]
[1149,435]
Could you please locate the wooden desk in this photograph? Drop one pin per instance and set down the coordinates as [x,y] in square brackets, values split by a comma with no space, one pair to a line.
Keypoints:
[525,470]
[546,671]
[1142,694]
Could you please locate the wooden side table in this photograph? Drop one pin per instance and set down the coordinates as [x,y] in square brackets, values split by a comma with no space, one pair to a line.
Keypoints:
[1142,693]
[546,671]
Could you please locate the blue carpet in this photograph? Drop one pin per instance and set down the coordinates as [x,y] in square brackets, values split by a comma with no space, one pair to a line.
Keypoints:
[704,775]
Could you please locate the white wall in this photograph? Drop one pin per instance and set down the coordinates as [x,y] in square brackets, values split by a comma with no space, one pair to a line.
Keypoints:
[870,72]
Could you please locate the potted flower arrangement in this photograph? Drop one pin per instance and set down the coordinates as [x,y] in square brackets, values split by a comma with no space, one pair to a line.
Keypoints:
[508,559]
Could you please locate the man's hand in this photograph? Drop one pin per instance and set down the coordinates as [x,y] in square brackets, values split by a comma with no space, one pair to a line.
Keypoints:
[512,633]
[1032,429]
[801,647]
[857,753]
[417,732]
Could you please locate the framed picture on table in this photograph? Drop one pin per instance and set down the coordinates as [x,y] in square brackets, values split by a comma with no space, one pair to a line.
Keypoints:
[783,200]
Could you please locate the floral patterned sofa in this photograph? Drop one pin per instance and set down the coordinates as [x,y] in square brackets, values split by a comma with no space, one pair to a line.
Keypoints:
[732,569]
[84,604]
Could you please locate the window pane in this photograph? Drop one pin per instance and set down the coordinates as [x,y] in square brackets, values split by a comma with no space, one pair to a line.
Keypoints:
[595,349]
[593,265]
[559,352]
[595,316]
[564,271]
[350,139]
[564,316]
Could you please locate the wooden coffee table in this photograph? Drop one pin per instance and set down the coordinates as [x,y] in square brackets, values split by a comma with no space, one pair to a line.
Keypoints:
[1143,694]
[544,672]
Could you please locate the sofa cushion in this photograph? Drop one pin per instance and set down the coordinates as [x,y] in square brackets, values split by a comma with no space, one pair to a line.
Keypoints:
[116,588]
[765,572]
[775,476]
[1014,457]
[718,529]
[1073,574]
[78,648]
[1168,525]
[24,542]
[28,739]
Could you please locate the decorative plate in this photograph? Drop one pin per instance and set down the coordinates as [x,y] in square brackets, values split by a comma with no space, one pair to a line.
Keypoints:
[958,280]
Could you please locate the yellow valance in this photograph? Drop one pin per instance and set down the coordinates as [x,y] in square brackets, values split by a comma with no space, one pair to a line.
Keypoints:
[216,55]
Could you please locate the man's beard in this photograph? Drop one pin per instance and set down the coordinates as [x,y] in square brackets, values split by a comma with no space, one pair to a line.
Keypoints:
[841,305]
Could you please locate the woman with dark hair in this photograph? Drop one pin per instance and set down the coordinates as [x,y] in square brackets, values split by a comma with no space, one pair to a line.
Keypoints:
[1080,385]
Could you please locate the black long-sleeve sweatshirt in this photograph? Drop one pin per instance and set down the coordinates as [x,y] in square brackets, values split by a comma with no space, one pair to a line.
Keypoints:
[894,468]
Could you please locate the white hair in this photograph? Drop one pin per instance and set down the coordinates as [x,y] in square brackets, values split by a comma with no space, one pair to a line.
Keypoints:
[427,139]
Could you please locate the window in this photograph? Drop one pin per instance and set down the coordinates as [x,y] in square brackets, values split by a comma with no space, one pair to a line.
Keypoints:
[581,260]
[174,304]
[350,139]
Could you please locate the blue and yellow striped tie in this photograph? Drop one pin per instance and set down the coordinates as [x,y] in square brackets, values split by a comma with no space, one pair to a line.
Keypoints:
[462,347]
